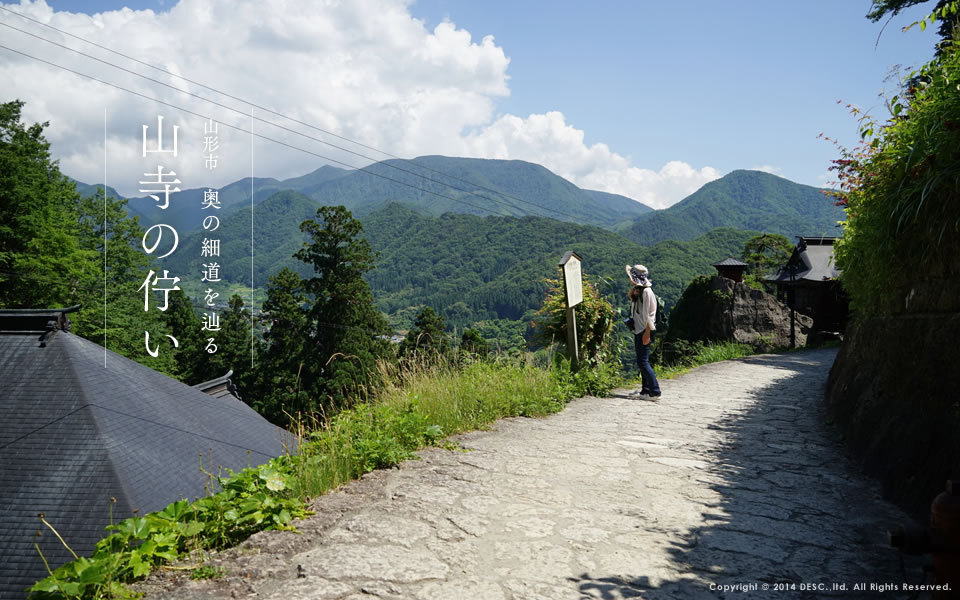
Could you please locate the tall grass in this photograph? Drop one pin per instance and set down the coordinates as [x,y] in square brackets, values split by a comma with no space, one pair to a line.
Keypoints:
[475,395]
[701,355]
[419,403]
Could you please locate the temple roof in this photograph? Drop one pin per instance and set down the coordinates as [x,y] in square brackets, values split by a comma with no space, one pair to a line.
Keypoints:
[81,425]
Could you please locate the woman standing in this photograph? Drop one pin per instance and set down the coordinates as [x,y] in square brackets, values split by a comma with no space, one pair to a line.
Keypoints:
[643,312]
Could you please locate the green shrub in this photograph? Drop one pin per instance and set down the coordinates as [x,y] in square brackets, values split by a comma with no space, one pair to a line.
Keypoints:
[599,368]
[595,318]
[899,189]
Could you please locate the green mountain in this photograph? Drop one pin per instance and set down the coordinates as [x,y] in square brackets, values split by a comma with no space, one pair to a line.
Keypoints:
[467,267]
[431,185]
[625,206]
[275,233]
[434,185]
[185,212]
[313,179]
[467,186]
[472,268]
[744,200]
[87,190]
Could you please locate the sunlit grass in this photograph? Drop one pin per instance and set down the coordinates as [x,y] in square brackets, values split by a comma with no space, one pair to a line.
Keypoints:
[419,403]
[705,355]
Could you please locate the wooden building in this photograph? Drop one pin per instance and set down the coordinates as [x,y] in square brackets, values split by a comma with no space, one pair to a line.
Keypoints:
[731,269]
[809,284]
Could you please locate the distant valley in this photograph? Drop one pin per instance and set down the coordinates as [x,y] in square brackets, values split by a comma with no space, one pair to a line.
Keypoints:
[475,238]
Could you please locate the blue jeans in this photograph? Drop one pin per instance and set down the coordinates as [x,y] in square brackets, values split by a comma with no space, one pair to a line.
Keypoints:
[650,384]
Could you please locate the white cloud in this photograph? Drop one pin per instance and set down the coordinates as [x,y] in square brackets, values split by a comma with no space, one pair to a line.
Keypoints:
[769,169]
[363,69]
[548,140]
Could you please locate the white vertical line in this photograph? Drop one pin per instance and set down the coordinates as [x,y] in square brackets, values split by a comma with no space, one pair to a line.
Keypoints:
[104,237]
[251,239]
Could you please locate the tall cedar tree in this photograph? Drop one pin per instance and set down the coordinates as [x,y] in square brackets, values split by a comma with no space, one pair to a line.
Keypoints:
[428,337]
[346,331]
[279,393]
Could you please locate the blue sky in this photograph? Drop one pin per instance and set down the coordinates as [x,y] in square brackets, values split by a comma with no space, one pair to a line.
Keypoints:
[630,97]
[729,84]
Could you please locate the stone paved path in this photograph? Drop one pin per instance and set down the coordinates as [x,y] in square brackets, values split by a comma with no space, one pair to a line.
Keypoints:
[733,477]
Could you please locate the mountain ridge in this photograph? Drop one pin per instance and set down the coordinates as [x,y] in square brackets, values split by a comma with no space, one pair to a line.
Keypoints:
[431,184]
[742,199]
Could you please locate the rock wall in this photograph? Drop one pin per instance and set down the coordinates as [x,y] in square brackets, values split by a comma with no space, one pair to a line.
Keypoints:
[725,310]
[894,391]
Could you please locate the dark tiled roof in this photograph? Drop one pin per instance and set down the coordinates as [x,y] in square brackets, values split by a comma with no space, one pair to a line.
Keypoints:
[730,262]
[76,431]
[812,261]
[219,387]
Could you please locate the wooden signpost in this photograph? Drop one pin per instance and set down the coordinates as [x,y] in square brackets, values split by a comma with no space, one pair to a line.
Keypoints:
[573,289]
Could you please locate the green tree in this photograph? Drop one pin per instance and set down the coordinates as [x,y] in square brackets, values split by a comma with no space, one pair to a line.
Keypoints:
[428,337]
[899,189]
[113,313]
[766,253]
[882,8]
[184,324]
[41,262]
[474,343]
[346,329]
[279,394]
[58,249]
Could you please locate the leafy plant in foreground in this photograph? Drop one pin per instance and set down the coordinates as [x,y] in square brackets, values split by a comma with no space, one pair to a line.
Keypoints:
[252,500]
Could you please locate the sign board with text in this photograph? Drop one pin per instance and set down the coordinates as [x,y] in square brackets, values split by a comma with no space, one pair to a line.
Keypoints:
[572,278]
[573,286]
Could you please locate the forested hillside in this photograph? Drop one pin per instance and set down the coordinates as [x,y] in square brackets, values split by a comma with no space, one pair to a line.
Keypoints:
[473,268]
[744,200]
[469,268]
[275,238]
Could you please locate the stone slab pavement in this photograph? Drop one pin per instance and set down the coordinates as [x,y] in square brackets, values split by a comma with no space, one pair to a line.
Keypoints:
[733,478]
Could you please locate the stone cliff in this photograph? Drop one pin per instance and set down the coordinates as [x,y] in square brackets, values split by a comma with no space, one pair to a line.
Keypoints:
[719,309]
[895,392]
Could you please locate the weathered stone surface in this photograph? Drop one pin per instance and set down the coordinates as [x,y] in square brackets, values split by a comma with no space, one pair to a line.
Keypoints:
[901,414]
[732,311]
[394,564]
[732,477]
[757,318]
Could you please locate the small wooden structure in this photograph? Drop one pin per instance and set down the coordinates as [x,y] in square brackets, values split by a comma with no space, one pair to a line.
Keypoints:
[809,284]
[731,268]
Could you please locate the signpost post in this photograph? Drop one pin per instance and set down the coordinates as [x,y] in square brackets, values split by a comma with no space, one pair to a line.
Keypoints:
[573,289]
